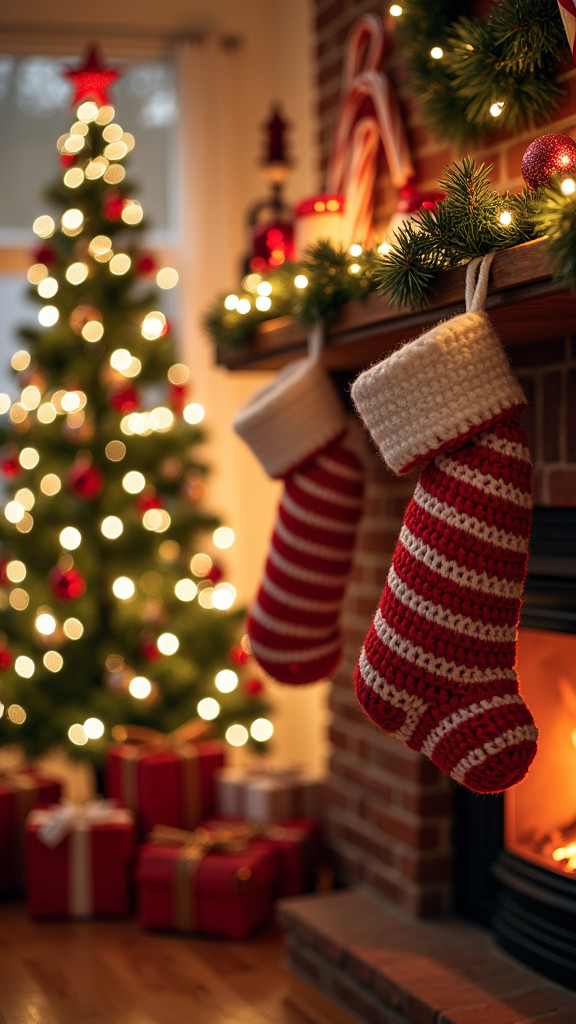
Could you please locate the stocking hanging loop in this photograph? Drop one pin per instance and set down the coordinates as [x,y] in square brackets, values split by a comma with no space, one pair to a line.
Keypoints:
[316,338]
[477,274]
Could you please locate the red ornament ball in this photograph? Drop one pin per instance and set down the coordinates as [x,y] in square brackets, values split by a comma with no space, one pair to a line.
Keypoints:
[4,579]
[215,574]
[125,399]
[146,264]
[44,254]
[10,465]
[253,687]
[149,498]
[113,206]
[5,659]
[86,480]
[238,655]
[66,584]
[548,155]
[149,650]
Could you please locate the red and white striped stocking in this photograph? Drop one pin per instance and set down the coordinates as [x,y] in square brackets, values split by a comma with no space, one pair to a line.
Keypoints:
[298,429]
[437,668]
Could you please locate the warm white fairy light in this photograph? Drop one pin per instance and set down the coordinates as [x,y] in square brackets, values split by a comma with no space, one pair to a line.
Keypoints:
[114,174]
[250,282]
[395,10]
[167,643]
[205,596]
[194,413]
[261,730]
[112,527]
[224,596]
[436,53]
[167,278]
[43,226]
[73,177]
[112,132]
[356,250]
[53,661]
[14,512]
[231,302]
[134,482]
[354,268]
[116,150]
[223,537]
[153,325]
[300,281]
[115,451]
[140,687]
[15,571]
[73,628]
[20,360]
[178,374]
[87,112]
[31,397]
[120,264]
[48,316]
[200,564]
[263,303]
[161,418]
[45,623]
[18,413]
[25,524]
[73,144]
[123,588]
[94,728]
[77,273]
[96,168]
[226,680]
[505,218]
[16,714]
[36,273]
[237,735]
[47,288]
[77,735]
[72,219]
[264,288]
[28,458]
[57,397]
[157,520]
[5,402]
[19,599]
[71,401]
[120,359]
[132,212]
[185,590]
[93,331]
[100,245]
[24,666]
[26,498]
[70,538]
[129,140]
[50,484]
[244,306]
[496,108]
[105,114]
[208,708]
[568,186]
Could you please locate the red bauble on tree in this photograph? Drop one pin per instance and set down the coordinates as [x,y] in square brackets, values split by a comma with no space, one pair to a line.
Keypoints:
[10,465]
[125,399]
[177,398]
[4,579]
[112,206]
[66,584]
[148,499]
[548,155]
[253,687]
[85,479]
[145,264]
[5,658]
[44,254]
[238,656]
[149,649]
[215,574]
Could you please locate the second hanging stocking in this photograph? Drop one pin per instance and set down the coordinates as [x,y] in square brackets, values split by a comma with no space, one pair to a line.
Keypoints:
[437,668]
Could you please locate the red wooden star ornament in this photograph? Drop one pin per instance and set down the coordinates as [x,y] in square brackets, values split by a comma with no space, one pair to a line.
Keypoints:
[92,80]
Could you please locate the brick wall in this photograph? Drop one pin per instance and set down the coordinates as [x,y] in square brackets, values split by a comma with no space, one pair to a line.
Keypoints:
[388,811]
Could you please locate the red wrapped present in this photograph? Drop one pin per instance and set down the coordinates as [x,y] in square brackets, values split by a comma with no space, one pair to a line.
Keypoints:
[297,845]
[79,859]
[21,790]
[215,884]
[164,779]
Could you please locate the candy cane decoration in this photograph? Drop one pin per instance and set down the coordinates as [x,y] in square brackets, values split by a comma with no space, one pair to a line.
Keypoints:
[352,164]
[568,14]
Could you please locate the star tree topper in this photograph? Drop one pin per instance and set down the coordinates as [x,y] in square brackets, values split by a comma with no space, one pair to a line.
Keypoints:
[92,80]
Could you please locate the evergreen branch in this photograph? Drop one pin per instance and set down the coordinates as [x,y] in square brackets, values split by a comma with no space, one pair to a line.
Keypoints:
[556,218]
[405,273]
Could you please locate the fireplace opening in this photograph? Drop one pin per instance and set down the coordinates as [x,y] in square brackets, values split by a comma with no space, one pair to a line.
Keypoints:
[516,855]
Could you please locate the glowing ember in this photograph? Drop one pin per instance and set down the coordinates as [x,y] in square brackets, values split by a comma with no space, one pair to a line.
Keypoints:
[567,853]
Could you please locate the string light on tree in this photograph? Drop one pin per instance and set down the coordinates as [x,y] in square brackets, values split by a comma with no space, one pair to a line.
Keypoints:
[99,476]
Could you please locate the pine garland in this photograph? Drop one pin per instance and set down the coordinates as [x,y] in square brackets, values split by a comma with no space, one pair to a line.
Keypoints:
[472,220]
[509,58]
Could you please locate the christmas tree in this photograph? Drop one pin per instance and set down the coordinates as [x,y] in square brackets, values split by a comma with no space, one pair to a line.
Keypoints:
[114,607]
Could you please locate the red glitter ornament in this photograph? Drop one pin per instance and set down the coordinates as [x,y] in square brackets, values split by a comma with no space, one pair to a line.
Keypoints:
[85,479]
[91,81]
[145,264]
[66,584]
[148,499]
[548,155]
[5,659]
[44,254]
[238,655]
[125,400]
[177,398]
[68,159]
[112,206]
[10,465]
[149,650]
[215,574]
[253,687]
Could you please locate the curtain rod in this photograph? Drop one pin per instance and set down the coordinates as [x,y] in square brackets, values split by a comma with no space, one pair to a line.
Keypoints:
[47,38]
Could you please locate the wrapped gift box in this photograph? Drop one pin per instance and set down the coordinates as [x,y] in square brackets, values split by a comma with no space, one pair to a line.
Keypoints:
[215,888]
[267,794]
[20,792]
[164,786]
[297,845]
[79,860]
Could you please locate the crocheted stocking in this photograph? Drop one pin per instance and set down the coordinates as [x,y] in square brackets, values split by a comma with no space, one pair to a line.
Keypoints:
[297,428]
[437,666]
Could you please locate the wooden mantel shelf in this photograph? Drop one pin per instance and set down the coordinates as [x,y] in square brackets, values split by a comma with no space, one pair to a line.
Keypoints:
[524,303]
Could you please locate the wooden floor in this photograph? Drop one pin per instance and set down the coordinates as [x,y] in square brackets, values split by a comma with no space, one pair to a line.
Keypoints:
[115,973]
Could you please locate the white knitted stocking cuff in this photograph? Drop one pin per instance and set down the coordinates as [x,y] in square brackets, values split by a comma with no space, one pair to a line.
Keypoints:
[293,418]
[436,391]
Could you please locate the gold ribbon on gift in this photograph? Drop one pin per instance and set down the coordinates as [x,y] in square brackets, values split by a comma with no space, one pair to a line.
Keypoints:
[139,740]
[24,789]
[66,818]
[194,846]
